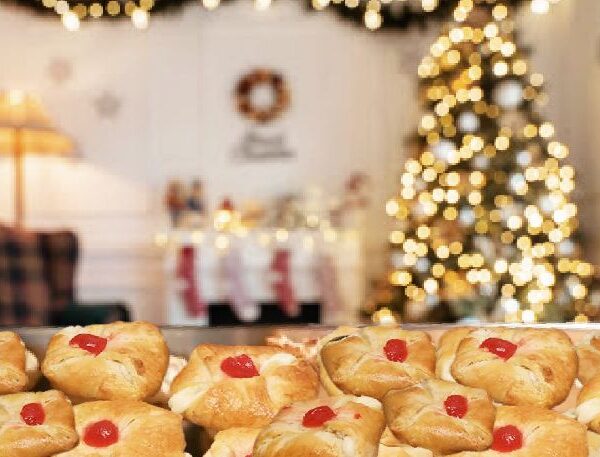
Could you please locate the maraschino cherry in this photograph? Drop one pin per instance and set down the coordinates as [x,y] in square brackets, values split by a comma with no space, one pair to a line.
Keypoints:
[240,366]
[502,348]
[90,343]
[316,417]
[33,414]
[396,350]
[507,439]
[101,434]
[456,406]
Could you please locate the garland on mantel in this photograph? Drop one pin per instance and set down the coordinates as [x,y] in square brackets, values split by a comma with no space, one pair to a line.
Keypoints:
[386,14]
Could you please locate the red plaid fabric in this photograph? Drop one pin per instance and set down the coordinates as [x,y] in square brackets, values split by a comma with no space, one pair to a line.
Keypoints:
[36,275]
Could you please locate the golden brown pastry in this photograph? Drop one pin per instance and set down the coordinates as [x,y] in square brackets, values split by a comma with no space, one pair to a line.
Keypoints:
[446,351]
[19,368]
[442,416]
[126,361]
[373,360]
[588,405]
[390,446]
[529,431]
[593,440]
[127,428]
[240,386]
[36,424]
[235,442]
[588,352]
[343,426]
[518,366]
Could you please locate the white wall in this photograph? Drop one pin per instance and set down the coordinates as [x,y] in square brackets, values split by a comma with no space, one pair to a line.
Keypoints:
[353,103]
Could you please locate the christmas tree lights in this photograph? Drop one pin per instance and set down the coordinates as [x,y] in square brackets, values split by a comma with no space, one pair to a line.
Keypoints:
[483,219]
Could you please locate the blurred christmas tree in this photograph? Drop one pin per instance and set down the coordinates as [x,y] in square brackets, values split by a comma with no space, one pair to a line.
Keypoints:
[484,224]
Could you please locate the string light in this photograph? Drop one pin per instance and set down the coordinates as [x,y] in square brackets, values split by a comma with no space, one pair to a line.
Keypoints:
[140,18]
[71,21]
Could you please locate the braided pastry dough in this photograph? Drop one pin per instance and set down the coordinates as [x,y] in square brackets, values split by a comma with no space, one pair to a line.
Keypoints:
[352,430]
[373,360]
[593,444]
[19,369]
[544,433]
[36,424]
[137,429]
[235,442]
[208,396]
[125,361]
[442,416]
[527,367]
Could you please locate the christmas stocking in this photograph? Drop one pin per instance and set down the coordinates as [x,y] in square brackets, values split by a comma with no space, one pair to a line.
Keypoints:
[282,284]
[190,292]
[245,308]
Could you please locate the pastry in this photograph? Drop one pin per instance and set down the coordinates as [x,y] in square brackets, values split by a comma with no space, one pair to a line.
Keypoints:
[442,416]
[390,446]
[240,386]
[518,366]
[529,431]
[176,364]
[235,442]
[343,426]
[126,428]
[19,368]
[588,352]
[36,424]
[119,361]
[588,405]
[446,351]
[373,360]
[593,440]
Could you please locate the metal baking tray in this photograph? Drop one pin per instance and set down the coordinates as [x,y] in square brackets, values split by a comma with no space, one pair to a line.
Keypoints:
[182,340]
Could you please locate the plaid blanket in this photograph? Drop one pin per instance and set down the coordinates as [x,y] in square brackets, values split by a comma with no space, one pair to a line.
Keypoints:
[36,275]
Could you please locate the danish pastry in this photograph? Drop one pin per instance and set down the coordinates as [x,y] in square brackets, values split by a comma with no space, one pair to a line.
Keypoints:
[442,416]
[343,426]
[588,405]
[240,386]
[529,431]
[235,442]
[119,361]
[373,360]
[446,351]
[126,428]
[19,368]
[588,352]
[390,446]
[36,424]
[518,366]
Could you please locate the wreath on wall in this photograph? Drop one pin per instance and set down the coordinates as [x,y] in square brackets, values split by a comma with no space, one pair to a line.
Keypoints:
[270,83]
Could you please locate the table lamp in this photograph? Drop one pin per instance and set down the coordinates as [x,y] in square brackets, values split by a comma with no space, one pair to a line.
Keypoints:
[25,129]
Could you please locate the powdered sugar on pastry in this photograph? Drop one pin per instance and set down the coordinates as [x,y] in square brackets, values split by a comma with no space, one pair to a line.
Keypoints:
[182,400]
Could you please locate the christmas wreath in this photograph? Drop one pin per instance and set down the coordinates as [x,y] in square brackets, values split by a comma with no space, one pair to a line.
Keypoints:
[251,81]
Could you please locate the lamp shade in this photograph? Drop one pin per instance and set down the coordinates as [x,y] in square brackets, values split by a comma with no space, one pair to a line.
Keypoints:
[24,120]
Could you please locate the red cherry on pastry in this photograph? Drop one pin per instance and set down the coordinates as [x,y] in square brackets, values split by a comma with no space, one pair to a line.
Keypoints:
[502,348]
[91,343]
[507,439]
[101,434]
[318,416]
[241,366]
[456,406]
[396,350]
[33,414]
